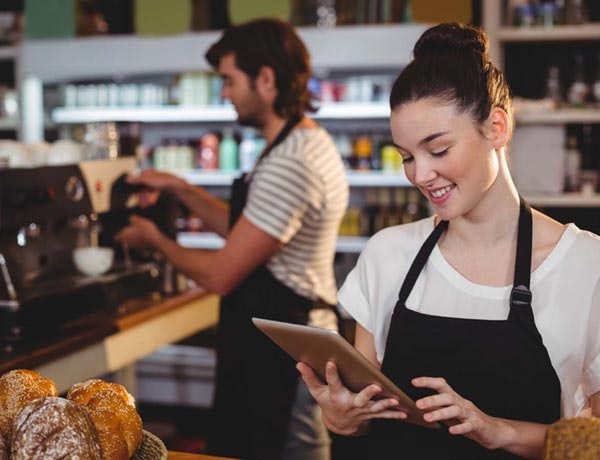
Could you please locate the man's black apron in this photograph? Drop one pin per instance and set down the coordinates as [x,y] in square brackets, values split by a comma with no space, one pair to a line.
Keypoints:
[256,381]
[503,366]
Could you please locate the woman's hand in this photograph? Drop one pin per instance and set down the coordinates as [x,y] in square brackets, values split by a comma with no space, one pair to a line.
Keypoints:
[141,233]
[461,414]
[345,412]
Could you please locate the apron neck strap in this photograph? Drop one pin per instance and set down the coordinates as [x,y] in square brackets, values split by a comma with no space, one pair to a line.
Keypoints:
[520,294]
[281,135]
[420,261]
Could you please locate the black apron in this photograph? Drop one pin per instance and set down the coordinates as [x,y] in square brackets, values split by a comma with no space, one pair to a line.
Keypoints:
[503,366]
[256,381]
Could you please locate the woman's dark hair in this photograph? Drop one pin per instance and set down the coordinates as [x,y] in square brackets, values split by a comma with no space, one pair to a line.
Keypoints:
[451,63]
[275,44]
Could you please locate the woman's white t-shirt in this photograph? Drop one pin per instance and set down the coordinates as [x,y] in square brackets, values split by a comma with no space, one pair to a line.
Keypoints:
[565,288]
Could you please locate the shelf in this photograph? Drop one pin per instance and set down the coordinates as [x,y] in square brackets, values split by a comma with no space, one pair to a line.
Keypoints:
[8,123]
[346,244]
[377,179]
[345,47]
[209,178]
[351,244]
[200,240]
[565,200]
[157,114]
[8,52]
[561,116]
[172,114]
[355,178]
[578,32]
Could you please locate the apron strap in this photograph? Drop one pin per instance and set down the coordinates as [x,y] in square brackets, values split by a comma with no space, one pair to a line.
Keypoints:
[420,261]
[520,294]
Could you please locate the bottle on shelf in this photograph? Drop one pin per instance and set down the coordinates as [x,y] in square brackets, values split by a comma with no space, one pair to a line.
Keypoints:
[576,12]
[228,151]
[367,217]
[207,156]
[344,146]
[363,150]
[351,222]
[412,210]
[397,206]
[382,216]
[596,83]
[589,162]
[579,89]
[554,85]
[248,149]
[390,158]
[572,166]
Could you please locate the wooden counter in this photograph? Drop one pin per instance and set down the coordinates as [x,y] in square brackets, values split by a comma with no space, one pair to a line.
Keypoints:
[184,456]
[111,343]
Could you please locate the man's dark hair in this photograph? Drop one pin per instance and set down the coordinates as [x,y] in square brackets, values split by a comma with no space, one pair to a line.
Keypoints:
[275,44]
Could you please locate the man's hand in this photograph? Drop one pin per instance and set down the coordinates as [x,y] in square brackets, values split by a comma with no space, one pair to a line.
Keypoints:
[141,233]
[154,182]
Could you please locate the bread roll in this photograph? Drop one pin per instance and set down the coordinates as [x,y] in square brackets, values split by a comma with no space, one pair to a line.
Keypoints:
[83,391]
[111,409]
[17,388]
[3,448]
[51,428]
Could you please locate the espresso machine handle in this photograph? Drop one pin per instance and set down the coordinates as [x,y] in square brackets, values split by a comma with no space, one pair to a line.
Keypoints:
[10,288]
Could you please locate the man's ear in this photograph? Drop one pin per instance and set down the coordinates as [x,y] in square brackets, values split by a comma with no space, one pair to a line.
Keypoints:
[265,82]
[500,125]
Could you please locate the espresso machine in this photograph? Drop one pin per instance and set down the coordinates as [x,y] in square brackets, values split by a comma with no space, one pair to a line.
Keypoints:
[45,213]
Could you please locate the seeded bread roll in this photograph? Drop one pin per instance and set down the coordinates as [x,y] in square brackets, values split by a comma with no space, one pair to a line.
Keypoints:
[51,428]
[3,448]
[17,389]
[82,392]
[111,409]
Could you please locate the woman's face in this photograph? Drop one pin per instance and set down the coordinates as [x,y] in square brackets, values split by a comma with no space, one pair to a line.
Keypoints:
[445,155]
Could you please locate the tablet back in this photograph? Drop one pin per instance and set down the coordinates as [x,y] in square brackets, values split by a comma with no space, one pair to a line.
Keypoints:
[315,346]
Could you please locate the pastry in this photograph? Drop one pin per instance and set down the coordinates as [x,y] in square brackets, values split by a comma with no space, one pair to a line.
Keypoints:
[17,388]
[50,428]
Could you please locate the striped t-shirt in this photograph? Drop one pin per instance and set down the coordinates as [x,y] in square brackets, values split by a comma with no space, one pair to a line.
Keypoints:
[298,195]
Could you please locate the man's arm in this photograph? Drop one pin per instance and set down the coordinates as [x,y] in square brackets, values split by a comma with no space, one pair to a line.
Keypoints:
[212,210]
[246,248]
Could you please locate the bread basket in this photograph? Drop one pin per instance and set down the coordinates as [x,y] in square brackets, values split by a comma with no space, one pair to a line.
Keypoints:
[152,448]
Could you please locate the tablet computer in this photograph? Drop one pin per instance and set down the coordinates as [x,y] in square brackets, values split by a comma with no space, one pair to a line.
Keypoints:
[315,346]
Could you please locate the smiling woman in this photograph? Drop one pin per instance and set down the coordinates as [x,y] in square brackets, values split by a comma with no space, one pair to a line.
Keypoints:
[473,311]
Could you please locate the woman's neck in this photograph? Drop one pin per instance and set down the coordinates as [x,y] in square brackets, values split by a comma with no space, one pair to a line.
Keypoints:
[494,219]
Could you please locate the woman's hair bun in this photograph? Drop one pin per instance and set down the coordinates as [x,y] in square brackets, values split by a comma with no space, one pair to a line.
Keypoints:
[451,38]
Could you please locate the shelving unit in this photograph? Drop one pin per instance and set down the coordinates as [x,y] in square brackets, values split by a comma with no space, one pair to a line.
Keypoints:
[220,113]
[565,200]
[500,36]
[580,32]
[355,178]
[8,123]
[379,47]
[9,53]
[200,240]
[559,117]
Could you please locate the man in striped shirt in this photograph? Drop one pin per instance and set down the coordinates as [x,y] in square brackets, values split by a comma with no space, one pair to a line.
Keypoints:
[280,230]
